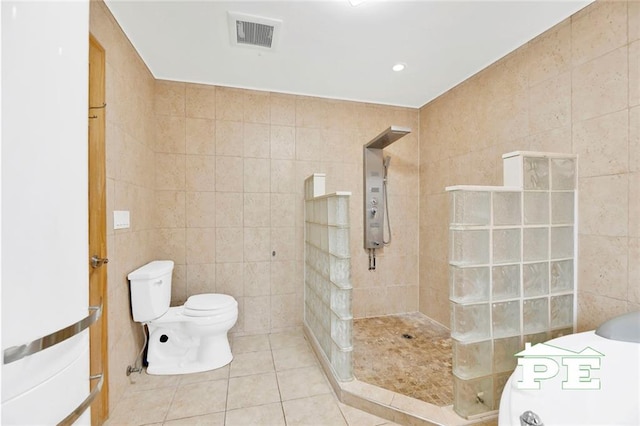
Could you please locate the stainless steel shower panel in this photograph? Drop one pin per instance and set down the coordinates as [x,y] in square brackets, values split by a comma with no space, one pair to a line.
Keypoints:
[374,186]
[373,198]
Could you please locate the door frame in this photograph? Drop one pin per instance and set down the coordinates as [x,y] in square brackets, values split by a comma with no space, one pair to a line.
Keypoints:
[98,338]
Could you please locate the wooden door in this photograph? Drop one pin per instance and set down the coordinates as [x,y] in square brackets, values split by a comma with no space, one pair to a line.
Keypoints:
[98,227]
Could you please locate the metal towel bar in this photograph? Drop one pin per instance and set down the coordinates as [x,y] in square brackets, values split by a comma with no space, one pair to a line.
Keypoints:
[16,353]
[75,414]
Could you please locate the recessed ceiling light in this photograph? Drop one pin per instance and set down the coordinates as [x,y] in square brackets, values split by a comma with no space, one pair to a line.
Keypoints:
[399,67]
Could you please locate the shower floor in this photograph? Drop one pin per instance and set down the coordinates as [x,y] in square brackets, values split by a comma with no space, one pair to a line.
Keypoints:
[408,354]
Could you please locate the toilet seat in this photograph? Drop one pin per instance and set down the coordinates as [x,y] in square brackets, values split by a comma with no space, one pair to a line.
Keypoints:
[209,304]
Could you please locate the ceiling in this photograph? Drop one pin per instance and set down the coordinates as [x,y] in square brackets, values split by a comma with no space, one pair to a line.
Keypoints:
[332,49]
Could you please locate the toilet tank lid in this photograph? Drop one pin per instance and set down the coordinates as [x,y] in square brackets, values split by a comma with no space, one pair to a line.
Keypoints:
[209,301]
[151,270]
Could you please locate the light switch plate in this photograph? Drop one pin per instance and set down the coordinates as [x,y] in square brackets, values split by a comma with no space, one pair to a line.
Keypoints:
[121,219]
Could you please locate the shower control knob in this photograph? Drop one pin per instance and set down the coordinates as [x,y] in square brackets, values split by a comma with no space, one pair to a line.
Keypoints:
[373,211]
[374,201]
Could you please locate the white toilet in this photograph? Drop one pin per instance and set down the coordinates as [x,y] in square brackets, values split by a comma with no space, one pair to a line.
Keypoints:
[182,339]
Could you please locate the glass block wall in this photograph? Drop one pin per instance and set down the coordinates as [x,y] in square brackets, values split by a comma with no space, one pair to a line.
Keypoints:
[327,286]
[512,271]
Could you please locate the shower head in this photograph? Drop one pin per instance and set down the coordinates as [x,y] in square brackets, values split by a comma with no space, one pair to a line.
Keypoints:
[388,137]
[386,162]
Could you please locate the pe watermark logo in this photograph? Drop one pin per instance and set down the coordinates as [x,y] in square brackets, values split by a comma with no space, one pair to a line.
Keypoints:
[543,362]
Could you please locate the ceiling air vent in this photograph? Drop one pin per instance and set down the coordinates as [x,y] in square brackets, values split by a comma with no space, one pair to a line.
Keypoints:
[253,31]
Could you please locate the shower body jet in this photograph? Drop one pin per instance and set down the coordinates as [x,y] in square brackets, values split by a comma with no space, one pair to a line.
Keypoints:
[375,189]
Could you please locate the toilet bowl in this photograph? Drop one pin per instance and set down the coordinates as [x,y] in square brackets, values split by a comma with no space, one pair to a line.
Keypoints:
[182,339]
[596,382]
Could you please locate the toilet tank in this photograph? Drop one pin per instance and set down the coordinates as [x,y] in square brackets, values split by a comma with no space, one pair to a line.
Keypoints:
[151,290]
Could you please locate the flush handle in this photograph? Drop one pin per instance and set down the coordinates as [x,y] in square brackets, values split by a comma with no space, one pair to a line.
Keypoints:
[96,261]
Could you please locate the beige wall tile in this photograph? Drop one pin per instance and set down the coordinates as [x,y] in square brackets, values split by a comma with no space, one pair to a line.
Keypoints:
[283,174]
[200,101]
[604,205]
[169,98]
[201,209]
[634,20]
[283,142]
[283,243]
[257,313]
[171,244]
[634,204]
[256,175]
[170,134]
[200,172]
[634,271]
[284,311]
[200,136]
[170,209]
[229,138]
[634,73]
[594,309]
[595,157]
[229,279]
[200,246]
[600,31]
[600,86]
[602,265]
[257,209]
[283,109]
[229,208]
[229,104]
[283,277]
[170,171]
[256,140]
[257,107]
[550,104]
[283,208]
[257,278]
[634,139]
[310,112]
[550,53]
[229,245]
[257,244]
[229,174]
[201,278]
[309,144]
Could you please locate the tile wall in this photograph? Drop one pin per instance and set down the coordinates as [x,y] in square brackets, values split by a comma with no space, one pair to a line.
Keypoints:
[230,166]
[130,184]
[573,89]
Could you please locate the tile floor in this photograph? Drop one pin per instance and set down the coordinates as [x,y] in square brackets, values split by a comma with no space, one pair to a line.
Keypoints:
[418,366]
[274,379]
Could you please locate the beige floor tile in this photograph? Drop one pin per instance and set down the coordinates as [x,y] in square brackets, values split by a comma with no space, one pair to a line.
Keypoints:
[249,391]
[357,417]
[215,419]
[195,399]
[138,408]
[270,414]
[294,357]
[302,382]
[217,374]
[242,344]
[143,381]
[287,339]
[313,411]
[250,363]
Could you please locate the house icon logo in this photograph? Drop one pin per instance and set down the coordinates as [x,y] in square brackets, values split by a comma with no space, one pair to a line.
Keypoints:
[541,362]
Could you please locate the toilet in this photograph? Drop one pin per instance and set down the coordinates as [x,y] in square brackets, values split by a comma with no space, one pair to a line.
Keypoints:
[182,339]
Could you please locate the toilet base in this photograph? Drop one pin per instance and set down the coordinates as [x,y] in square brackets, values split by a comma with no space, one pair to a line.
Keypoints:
[173,352]
[193,367]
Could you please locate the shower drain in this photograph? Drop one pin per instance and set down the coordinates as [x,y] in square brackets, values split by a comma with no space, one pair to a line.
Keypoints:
[407,336]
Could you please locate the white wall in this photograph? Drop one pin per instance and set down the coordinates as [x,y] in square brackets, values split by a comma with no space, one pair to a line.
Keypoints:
[44,204]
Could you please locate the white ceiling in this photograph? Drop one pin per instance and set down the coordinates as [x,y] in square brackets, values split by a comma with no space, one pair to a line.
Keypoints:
[334,50]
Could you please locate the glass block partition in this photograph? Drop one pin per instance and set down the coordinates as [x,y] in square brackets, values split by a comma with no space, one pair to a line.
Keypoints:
[512,271]
[327,282]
